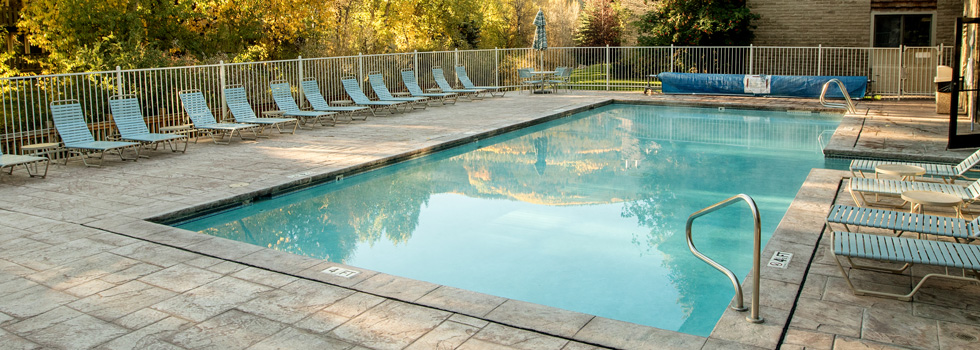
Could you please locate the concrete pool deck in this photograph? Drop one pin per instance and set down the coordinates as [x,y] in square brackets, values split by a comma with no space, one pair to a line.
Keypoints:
[81,268]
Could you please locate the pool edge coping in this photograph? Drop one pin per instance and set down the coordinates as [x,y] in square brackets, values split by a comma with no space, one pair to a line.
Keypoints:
[507,312]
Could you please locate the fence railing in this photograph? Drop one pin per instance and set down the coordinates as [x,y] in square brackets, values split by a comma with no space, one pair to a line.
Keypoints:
[25,119]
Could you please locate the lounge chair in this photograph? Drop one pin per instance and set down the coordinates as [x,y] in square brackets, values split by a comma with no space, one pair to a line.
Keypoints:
[311,89]
[947,172]
[468,84]
[128,116]
[440,77]
[241,110]
[905,251]
[282,94]
[528,80]
[903,221]
[197,109]
[353,89]
[381,90]
[412,84]
[73,130]
[29,163]
[561,78]
[860,186]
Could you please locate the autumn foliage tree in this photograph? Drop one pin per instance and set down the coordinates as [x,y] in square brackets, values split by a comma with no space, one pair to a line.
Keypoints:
[600,24]
[697,23]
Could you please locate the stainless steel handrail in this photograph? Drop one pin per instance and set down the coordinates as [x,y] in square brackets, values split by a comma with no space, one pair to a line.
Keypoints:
[754,317]
[847,98]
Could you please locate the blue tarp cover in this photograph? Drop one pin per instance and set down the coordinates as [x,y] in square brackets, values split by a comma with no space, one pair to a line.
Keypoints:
[778,85]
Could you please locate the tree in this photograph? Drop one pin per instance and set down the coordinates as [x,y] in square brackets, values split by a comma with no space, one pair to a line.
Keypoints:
[600,24]
[697,23]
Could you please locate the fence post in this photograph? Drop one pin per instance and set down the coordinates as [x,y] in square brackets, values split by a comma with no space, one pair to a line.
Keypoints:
[901,69]
[496,66]
[607,67]
[120,89]
[221,89]
[301,74]
[360,69]
[819,59]
[671,58]
[415,64]
[751,52]
[455,63]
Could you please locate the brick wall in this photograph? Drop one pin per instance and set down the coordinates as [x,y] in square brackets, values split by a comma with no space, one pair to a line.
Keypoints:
[844,23]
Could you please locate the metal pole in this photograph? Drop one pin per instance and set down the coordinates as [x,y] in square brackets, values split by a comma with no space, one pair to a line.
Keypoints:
[750,59]
[415,64]
[671,58]
[456,63]
[819,59]
[607,67]
[299,71]
[119,81]
[901,69]
[360,68]
[221,80]
[496,66]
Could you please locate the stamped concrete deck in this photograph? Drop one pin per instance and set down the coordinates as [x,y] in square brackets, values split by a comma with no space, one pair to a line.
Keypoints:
[81,268]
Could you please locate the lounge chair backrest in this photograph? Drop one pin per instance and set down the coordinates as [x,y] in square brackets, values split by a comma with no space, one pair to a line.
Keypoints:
[237,101]
[128,116]
[196,107]
[354,90]
[968,163]
[440,78]
[70,122]
[524,73]
[408,78]
[463,77]
[283,97]
[567,73]
[311,89]
[379,87]
[559,71]
[974,190]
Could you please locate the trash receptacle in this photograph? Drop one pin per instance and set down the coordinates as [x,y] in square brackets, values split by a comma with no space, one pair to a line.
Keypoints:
[944,82]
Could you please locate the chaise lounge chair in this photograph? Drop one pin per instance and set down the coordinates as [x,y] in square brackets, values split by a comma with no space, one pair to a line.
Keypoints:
[241,110]
[412,84]
[859,186]
[29,163]
[440,77]
[281,93]
[197,109]
[311,89]
[380,89]
[903,221]
[128,116]
[353,89]
[73,130]
[905,251]
[468,84]
[947,172]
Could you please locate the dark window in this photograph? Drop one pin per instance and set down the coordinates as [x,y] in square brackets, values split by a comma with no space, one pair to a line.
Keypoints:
[908,30]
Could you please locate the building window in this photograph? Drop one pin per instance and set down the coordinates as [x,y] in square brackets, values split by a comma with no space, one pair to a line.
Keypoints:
[909,30]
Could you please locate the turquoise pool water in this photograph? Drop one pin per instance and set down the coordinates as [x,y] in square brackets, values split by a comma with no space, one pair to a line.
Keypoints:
[585,213]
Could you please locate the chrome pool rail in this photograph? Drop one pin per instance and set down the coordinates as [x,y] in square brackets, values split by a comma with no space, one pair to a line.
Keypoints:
[757,251]
[848,104]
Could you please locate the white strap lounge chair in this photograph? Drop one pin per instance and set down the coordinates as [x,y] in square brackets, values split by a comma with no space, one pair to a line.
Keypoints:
[945,171]
[412,84]
[903,221]
[907,251]
[381,90]
[353,89]
[128,116]
[311,89]
[283,96]
[73,130]
[860,186]
[241,110]
[197,109]
[467,83]
[29,162]
[440,77]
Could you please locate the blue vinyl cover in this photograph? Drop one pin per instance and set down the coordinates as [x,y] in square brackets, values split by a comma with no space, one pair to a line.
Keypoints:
[780,85]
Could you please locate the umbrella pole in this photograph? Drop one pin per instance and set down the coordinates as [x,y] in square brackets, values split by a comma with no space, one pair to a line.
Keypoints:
[541,56]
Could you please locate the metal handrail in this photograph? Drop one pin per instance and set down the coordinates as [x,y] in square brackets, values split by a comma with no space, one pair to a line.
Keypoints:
[847,98]
[754,317]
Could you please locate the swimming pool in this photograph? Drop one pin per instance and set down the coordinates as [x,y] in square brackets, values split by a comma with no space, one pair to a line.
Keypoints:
[584,213]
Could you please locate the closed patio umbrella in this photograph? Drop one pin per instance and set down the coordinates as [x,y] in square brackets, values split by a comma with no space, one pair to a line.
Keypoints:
[540,36]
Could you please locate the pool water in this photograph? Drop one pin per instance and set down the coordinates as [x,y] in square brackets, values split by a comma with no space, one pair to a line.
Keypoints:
[584,213]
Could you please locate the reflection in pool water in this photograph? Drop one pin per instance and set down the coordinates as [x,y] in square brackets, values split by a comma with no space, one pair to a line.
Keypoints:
[585,213]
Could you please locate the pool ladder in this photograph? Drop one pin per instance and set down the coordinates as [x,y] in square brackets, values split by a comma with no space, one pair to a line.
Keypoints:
[848,105]
[754,317]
